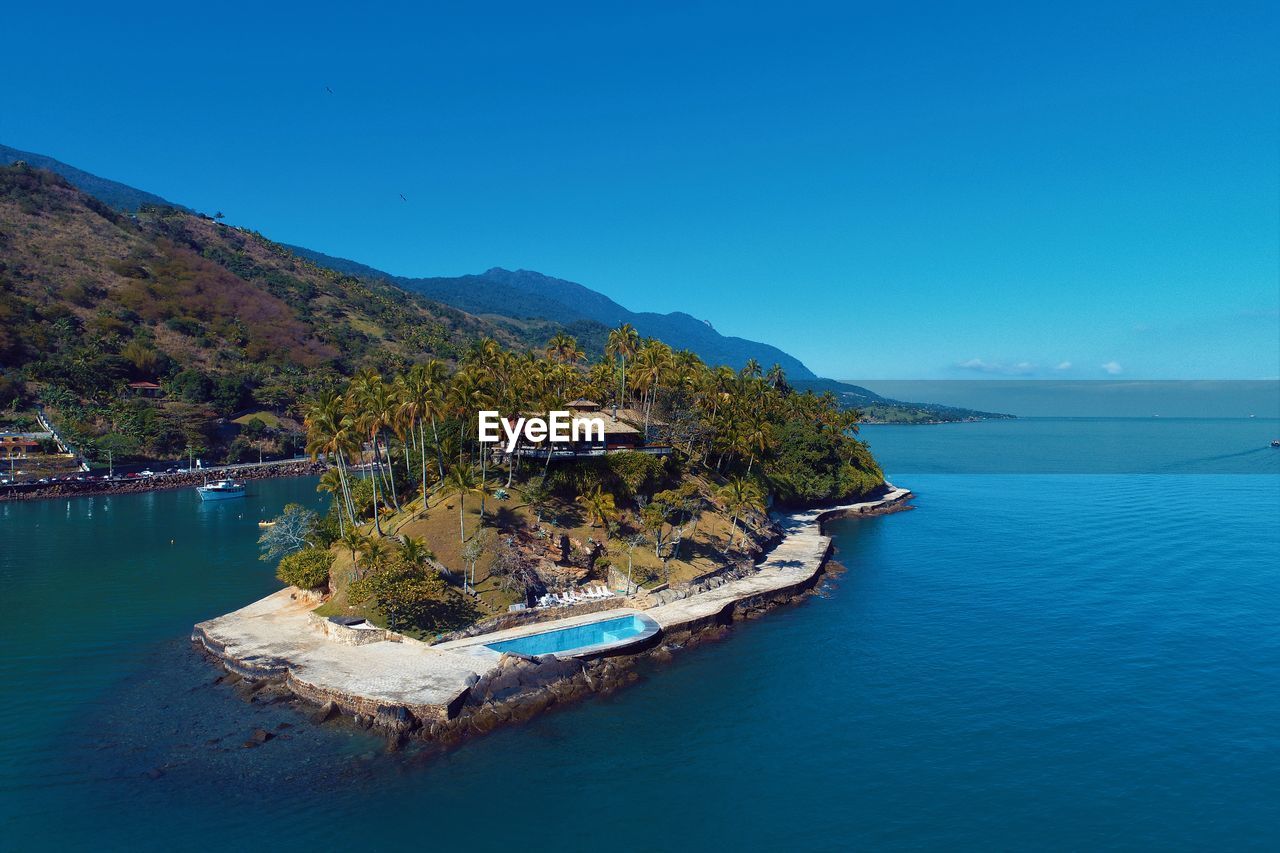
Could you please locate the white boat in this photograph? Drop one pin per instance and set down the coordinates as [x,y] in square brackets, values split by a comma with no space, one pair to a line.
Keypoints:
[221,490]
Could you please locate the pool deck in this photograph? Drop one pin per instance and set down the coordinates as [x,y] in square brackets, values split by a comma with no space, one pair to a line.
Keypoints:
[278,635]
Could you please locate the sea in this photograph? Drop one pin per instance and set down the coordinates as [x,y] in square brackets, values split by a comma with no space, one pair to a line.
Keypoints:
[1072,642]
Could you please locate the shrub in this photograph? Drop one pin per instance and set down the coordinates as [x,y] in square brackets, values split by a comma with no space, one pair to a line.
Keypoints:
[636,473]
[307,569]
[406,594]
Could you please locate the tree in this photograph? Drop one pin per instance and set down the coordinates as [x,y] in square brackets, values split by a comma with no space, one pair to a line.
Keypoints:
[461,483]
[292,530]
[375,552]
[563,348]
[623,343]
[307,569]
[331,482]
[471,553]
[632,542]
[538,497]
[600,508]
[354,541]
[741,495]
[414,551]
[407,595]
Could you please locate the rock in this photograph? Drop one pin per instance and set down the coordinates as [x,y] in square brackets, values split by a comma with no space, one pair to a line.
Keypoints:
[261,735]
[154,773]
[528,707]
[393,719]
[284,726]
[485,720]
[323,713]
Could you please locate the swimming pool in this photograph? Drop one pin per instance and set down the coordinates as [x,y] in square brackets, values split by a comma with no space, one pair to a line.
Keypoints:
[609,633]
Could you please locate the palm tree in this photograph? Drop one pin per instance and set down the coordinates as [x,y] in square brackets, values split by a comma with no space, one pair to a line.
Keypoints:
[421,399]
[653,362]
[374,552]
[600,508]
[461,482]
[756,436]
[354,541]
[414,551]
[329,434]
[623,344]
[331,482]
[563,348]
[370,403]
[739,495]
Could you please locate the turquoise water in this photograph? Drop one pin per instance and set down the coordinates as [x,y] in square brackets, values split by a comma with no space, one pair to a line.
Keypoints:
[580,636]
[1051,661]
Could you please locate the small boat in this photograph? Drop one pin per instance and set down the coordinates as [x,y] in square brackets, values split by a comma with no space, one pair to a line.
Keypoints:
[221,490]
[266,524]
[1275,442]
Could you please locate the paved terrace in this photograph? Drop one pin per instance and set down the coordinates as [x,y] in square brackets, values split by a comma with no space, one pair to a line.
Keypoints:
[277,635]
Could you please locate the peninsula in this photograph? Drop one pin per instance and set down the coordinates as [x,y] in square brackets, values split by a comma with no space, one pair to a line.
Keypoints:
[459,565]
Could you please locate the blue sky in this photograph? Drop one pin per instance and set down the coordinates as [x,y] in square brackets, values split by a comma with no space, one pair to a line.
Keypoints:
[884,190]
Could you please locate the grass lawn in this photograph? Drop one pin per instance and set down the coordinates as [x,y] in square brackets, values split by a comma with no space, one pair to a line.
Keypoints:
[267,416]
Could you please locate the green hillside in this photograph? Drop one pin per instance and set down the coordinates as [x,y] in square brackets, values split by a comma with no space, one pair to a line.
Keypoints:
[223,319]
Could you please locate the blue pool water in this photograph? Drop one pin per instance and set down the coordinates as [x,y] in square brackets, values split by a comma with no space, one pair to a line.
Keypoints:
[577,637]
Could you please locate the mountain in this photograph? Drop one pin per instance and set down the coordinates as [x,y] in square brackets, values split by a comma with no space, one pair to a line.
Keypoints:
[92,299]
[525,295]
[117,195]
[520,308]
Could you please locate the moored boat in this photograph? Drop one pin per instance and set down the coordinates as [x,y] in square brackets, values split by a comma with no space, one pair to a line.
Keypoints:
[221,490]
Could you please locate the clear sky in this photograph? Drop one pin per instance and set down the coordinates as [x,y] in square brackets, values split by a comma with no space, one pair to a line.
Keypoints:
[887,190]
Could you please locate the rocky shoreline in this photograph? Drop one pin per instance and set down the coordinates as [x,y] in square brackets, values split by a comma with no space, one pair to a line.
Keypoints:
[519,687]
[85,488]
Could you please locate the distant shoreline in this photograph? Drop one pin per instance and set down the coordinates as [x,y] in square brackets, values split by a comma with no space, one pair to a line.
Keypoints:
[163,482]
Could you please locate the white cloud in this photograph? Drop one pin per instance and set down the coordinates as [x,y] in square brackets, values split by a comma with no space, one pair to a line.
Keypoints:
[1066,365]
[1113,368]
[1021,368]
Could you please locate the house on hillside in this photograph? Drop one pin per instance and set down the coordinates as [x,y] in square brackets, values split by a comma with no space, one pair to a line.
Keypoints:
[149,390]
[619,435]
[17,445]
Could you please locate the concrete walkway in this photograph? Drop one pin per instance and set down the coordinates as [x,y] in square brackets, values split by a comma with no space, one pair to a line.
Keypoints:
[798,557]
